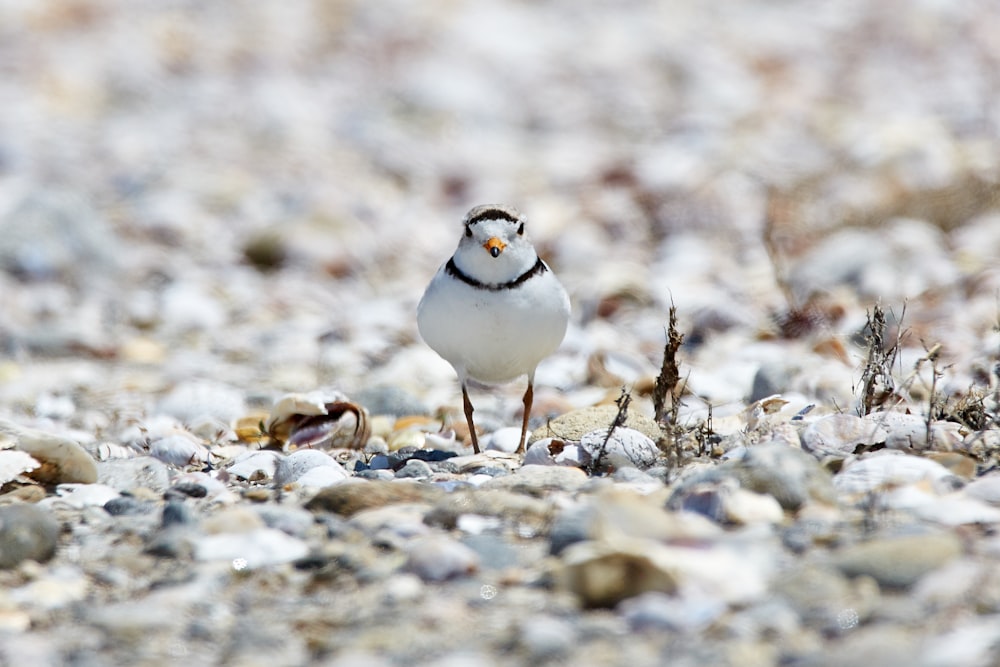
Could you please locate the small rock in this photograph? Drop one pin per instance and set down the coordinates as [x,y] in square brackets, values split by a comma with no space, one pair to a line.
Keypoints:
[349,499]
[14,463]
[791,476]
[129,474]
[440,558]
[875,473]
[574,425]
[538,480]
[840,435]
[27,532]
[658,611]
[625,447]
[415,469]
[292,467]
[79,496]
[547,637]
[602,575]
[250,550]
[898,562]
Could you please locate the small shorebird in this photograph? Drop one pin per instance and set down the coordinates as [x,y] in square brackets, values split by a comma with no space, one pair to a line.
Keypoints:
[495,309]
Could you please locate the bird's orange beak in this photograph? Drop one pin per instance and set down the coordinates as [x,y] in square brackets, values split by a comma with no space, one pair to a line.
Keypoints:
[495,246]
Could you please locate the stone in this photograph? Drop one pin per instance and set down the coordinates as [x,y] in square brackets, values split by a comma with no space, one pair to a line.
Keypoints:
[574,425]
[27,532]
[440,558]
[349,499]
[898,561]
[537,480]
[841,435]
[625,448]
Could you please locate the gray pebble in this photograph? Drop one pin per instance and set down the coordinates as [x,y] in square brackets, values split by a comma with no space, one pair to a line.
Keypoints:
[27,532]
[415,468]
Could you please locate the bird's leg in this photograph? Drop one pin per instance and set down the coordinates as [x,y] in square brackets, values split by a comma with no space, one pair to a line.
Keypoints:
[529,396]
[468,418]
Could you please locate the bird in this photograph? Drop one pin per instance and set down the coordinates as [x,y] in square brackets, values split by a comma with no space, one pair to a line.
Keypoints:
[494,310]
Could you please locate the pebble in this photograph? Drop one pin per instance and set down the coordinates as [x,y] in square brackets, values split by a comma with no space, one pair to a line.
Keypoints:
[554,452]
[876,473]
[660,612]
[252,549]
[415,469]
[440,558]
[576,424]
[624,448]
[291,468]
[789,475]
[841,435]
[537,480]
[128,474]
[898,562]
[349,499]
[27,532]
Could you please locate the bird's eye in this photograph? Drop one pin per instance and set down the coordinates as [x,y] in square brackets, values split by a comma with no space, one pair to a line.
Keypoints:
[520,230]
[468,231]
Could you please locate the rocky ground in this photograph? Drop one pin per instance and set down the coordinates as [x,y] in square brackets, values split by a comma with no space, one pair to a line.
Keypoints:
[223,443]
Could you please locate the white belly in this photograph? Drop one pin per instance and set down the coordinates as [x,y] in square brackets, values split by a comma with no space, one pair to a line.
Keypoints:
[489,336]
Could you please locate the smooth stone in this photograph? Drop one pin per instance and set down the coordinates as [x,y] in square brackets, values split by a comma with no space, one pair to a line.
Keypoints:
[910,431]
[290,468]
[415,469]
[63,460]
[602,575]
[617,512]
[985,488]
[840,435]
[180,449]
[546,637]
[824,598]
[791,476]
[403,520]
[538,480]
[349,499]
[876,473]
[237,519]
[27,532]
[727,503]
[250,550]
[576,424]
[515,508]
[657,611]
[294,521]
[898,562]
[953,509]
[129,474]
[322,477]
[440,558]
[127,505]
[79,496]
[625,447]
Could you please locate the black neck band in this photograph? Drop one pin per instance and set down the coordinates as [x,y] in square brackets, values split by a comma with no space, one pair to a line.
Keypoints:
[452,269]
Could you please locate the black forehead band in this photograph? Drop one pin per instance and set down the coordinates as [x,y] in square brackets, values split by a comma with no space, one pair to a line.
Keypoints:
[491,214]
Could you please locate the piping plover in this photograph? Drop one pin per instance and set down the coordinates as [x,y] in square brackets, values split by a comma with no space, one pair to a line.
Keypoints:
[495,309]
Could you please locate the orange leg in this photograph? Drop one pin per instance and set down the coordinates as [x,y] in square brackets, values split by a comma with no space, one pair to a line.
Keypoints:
[468,417]
[529,396]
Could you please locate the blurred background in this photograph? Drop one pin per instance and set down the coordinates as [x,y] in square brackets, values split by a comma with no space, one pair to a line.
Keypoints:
[256,193]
